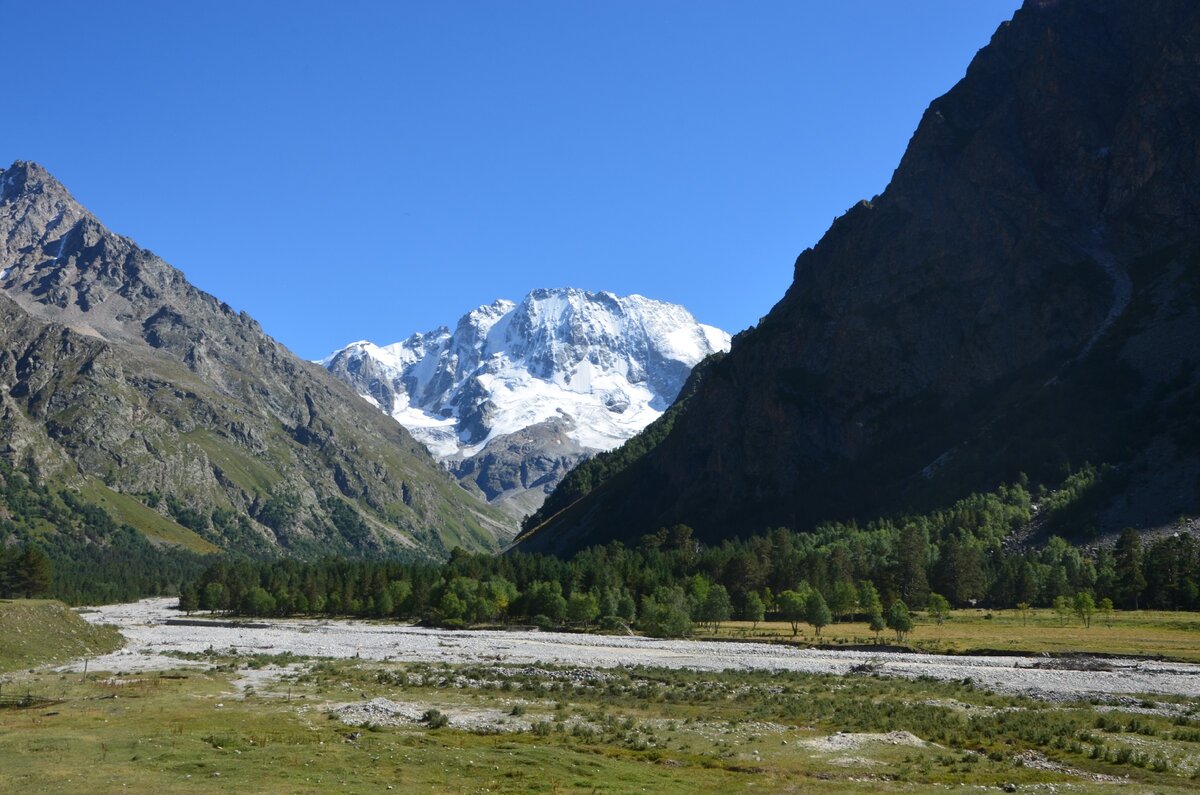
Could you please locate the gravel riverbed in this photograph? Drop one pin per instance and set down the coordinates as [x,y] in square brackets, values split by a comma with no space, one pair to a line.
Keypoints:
[150,637]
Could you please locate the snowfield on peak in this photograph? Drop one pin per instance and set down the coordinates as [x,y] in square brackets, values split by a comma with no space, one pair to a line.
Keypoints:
[528,389]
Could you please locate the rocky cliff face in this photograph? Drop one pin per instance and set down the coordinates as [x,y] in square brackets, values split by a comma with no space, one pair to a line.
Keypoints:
[121,378]
[518,393]
[1023,297]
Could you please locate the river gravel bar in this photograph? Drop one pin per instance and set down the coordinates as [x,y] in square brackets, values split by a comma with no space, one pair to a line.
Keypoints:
[150,639]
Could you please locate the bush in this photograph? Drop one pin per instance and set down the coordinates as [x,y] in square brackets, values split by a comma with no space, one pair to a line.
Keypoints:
[612,624]
[435,719]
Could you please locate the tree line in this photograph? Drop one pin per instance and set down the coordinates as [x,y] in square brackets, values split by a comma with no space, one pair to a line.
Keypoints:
[669,582]
[54,543]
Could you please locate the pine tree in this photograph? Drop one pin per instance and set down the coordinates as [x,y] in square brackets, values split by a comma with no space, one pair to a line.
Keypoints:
[1131,579]
[188,600]
[912,555]
[816,612]
[876,622]
[34,574]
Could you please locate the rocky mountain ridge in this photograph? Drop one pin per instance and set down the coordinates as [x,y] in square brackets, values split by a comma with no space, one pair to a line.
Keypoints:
[1024,297]
[518,393]
[123,380]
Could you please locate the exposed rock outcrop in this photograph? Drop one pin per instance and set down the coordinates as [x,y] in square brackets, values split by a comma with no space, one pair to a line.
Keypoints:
[1023,297]
[119,373]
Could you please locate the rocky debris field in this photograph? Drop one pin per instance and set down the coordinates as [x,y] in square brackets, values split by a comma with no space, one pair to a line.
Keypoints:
[151,642]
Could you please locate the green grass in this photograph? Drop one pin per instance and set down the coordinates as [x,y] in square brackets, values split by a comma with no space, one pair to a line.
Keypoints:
[129,510]
[35,631]
[246,471]
[1173,635]
[627,731]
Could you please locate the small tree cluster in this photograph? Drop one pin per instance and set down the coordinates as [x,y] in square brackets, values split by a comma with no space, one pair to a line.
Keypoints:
[25,572]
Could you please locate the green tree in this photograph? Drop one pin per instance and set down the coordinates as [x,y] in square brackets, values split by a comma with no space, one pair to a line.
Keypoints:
[1085,607]
[868,598]
[716,607]
[502,592]
[384,604]
[664,614]
[1106,610]
[400,592]
[1063,607]
[1130,576]
[544,598]
[452,606]
[482,607]
[189,601]
[960,571]
[938,607]
[1023,608]
[816,612]
[257,602]
[583,607]
[626,607]
[8,572]
[899,620]
[608,602]
[214,598]
[912,556]
[843,599]
[34,574]
[753,609]
[792,605]
[876,622]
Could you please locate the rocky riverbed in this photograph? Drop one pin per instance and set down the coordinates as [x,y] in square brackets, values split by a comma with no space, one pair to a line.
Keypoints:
[151,640]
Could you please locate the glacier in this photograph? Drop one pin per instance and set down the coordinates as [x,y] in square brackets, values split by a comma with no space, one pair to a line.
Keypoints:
[560,375]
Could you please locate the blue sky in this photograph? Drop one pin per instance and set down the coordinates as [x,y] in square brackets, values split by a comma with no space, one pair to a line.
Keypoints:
[364,170]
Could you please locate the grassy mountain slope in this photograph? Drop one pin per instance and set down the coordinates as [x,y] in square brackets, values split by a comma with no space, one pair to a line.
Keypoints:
[182,417]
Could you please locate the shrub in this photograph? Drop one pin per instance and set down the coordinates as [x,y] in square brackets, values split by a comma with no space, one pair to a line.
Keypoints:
[435,719]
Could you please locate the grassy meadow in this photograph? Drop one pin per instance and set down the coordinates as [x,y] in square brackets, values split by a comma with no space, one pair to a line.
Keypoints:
[1153,633]
[556,730]
[221,722]
[37,631]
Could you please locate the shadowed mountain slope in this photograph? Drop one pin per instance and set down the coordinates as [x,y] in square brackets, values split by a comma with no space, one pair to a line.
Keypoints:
[1023,297]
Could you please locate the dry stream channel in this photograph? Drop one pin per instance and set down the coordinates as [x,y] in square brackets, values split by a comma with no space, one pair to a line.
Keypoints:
[151,640]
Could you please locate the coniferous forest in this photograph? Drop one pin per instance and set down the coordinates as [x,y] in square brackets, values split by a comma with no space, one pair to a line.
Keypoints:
[668,582]
[665,584]
[53,543]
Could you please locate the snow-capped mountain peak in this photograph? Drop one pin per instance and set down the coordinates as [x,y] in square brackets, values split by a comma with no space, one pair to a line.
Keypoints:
[582,371]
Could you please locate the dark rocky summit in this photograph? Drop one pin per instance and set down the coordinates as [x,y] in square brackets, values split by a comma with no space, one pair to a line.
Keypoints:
[121,379]
[1023,297]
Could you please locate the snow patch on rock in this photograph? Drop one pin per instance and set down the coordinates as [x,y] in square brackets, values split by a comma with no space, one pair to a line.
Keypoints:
[607,364]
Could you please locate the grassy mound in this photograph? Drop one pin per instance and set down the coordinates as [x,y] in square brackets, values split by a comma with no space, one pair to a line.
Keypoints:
[35,631]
